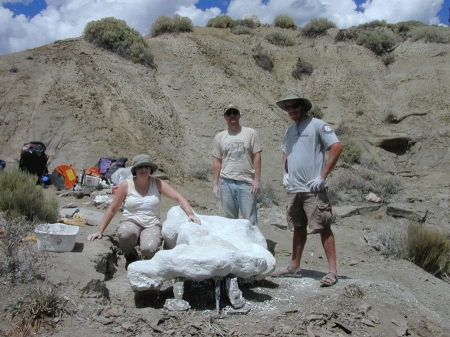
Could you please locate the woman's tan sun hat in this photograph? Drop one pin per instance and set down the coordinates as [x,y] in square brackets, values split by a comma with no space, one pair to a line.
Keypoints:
[142,160]
[294,94]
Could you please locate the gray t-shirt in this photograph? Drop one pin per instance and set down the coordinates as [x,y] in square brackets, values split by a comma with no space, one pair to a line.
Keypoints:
[236,149]
[305,145]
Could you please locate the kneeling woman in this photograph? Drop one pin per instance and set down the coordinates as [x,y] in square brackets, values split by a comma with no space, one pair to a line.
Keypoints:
[140,224]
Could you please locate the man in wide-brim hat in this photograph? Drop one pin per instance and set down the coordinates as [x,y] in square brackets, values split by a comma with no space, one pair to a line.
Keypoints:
[304,176]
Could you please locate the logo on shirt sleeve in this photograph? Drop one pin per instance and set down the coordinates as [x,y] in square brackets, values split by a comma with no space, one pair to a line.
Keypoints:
[326,129]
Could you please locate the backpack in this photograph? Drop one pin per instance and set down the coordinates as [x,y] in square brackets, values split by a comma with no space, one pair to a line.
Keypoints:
[119,163]
[104,164]
[33,159]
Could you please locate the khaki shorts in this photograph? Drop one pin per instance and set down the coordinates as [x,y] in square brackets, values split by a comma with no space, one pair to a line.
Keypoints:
[309,208]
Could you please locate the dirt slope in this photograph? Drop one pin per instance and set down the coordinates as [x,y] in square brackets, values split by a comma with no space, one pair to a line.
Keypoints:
[85,103]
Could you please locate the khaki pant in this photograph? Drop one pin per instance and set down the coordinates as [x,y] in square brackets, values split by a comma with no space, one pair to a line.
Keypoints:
[131,234]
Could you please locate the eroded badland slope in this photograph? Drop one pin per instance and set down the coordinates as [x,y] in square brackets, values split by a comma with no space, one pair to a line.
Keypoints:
[85,103]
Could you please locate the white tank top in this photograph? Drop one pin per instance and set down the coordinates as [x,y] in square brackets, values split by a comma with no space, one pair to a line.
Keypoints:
[143,210]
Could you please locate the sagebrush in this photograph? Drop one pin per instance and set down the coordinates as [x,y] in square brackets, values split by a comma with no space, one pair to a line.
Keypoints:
[115,35]
[280,39]
[302,68]
[378,42]
[317,27]
[284,21]
[20,196]
[263,58]
[221,21]
[267,195]
[166,25]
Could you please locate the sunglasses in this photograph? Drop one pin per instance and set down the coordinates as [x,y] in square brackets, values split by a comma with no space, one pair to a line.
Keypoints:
[232,112]
[293,106]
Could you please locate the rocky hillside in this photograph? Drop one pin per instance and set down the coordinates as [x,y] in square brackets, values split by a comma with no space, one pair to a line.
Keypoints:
[85,103]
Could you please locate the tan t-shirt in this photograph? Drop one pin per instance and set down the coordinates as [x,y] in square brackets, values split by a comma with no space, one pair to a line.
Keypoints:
[236,149]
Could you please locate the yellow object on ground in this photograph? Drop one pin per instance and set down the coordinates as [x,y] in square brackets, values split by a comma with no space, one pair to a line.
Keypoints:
[77,220]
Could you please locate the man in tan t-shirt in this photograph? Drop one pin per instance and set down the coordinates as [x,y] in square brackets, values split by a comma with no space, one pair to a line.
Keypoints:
[236,155]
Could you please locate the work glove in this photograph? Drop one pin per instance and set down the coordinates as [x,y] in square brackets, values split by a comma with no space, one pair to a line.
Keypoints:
[216,191]
[316,185]
[286,180]
[256,187]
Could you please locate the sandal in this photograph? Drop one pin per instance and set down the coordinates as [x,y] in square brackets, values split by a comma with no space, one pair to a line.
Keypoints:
[291,272]
[329,281]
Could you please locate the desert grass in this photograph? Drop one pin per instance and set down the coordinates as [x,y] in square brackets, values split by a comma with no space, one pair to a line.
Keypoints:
[429,248]
[38,307]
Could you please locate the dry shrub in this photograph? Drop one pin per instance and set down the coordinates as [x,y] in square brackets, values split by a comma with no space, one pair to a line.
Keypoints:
[162,25]
[182,24]
[20,196]
[284,21]
[429,249]
[393,239]
[388,59]
[19,258]
[202,172]
[371,25]
[357,181]
[391,118]
[267,196]
[280,39]
[351,153]
[316,111]
[342,129]
[242,30]
[263,58]
[115,35]
[346,35]
[302,68]
[378,42]
[249,23]
[165,25]
[317,27]
[431,34]
[221,21]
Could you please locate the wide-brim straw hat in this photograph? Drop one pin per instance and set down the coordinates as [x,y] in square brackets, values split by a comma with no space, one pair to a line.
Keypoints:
[294,94]
[142,160]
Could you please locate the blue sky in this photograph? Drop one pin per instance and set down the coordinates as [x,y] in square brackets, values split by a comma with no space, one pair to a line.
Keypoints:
[30,23]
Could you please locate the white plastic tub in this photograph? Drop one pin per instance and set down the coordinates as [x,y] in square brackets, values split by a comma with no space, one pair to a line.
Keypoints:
[56,237]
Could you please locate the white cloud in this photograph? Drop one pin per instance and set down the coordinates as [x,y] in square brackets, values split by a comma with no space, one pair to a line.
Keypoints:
[67,18]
